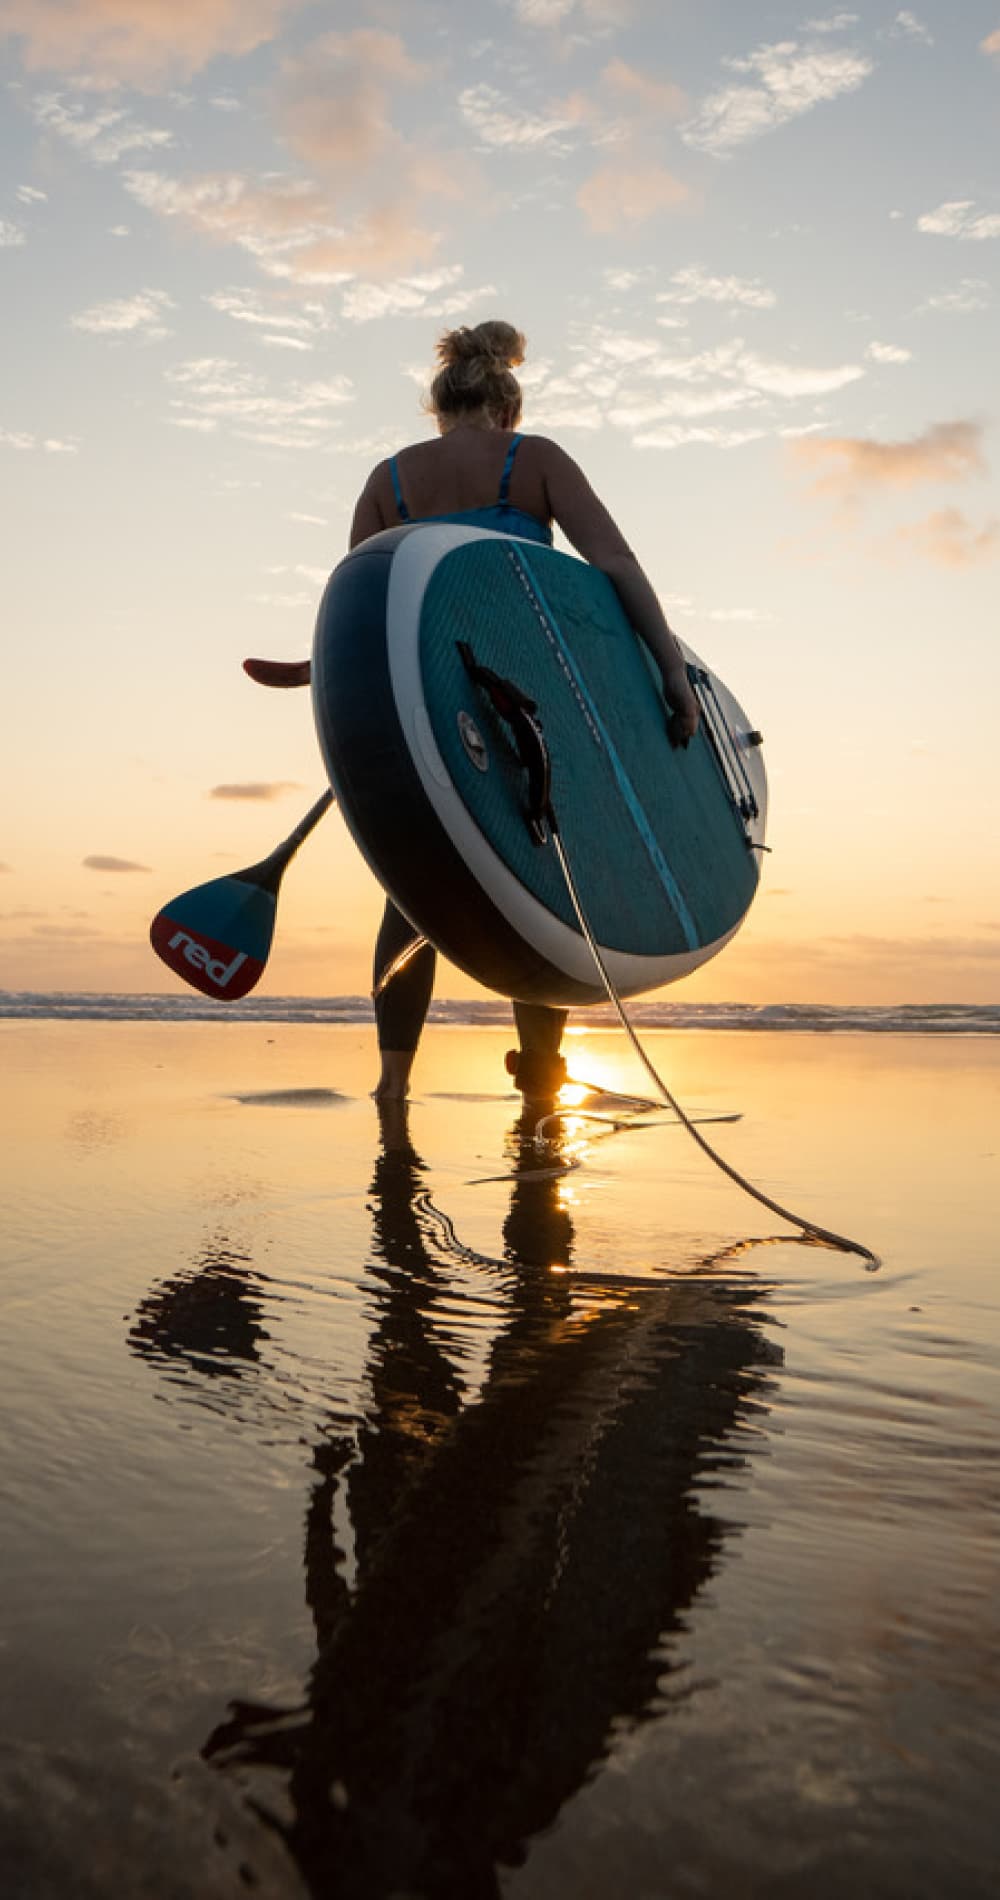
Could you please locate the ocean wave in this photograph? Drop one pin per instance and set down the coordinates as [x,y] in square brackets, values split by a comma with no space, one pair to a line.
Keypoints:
[911,1019]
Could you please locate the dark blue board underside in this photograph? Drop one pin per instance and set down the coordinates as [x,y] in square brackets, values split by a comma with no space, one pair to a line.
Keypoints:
[660,854]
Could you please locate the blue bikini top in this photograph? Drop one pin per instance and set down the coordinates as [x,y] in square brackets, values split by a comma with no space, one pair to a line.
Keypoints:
[499,515]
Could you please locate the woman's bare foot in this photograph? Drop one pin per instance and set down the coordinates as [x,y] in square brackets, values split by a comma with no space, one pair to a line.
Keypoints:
[395,1076]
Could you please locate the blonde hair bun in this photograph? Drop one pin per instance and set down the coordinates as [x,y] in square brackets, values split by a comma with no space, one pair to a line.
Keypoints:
[497,341]
[475,370]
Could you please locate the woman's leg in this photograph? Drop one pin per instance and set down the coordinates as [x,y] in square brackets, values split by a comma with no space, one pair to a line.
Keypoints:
[537,1067]
[401,1006]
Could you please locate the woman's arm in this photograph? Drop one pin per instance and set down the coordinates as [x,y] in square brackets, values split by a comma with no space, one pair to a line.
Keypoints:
[594,533]
[367,521]
[367,512]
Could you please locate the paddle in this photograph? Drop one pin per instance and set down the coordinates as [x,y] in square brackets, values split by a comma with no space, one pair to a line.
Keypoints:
[279,672]
[218,936]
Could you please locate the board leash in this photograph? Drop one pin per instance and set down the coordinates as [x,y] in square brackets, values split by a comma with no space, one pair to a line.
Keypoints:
[807,1227]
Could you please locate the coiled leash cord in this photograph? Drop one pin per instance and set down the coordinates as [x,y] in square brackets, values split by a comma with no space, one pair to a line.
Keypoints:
[806,1227]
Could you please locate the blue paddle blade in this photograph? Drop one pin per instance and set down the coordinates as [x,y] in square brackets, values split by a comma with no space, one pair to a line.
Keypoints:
[217,937]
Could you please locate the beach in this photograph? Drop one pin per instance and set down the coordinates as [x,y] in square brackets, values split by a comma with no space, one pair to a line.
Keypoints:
[396,1507]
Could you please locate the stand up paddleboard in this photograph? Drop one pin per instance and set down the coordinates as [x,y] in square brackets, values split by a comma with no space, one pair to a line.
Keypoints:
[435,782]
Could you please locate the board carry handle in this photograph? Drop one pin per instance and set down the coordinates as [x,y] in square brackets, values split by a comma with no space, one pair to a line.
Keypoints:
[521,714]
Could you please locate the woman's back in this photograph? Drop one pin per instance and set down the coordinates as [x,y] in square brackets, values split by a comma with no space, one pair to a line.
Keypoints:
[466,471]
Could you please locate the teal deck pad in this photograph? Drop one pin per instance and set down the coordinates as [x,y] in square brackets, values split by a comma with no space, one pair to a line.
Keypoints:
[658,851]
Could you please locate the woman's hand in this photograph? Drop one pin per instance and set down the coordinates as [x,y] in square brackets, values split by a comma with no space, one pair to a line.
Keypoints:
[685,716]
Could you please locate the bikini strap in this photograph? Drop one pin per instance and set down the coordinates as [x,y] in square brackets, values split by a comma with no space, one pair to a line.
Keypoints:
[507,467]
[404,513]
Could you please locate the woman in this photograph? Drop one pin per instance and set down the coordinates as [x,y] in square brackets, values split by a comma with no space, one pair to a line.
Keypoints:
[480,471]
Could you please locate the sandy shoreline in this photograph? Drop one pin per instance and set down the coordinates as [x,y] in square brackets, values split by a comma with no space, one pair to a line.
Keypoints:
[513,1505]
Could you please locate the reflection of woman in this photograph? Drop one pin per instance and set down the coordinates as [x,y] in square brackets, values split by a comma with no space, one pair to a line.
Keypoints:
[523,1554]
[481,472]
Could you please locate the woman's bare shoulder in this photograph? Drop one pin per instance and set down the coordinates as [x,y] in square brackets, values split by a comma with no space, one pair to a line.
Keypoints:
[540,445]
[549,456]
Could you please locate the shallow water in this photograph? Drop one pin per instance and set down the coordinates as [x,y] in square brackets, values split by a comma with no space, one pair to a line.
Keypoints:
[377,1526]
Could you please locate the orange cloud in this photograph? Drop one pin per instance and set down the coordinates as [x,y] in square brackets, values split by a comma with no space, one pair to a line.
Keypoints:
[99,862]
[364,209]
[629,194]
[381,241]
[991,44]
[289,225]
[256,789]
[949,539]
[143,42]
[658,96]
[946,452]
[334,101]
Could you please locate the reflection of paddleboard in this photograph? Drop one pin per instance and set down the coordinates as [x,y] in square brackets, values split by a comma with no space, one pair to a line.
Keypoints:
[663,843]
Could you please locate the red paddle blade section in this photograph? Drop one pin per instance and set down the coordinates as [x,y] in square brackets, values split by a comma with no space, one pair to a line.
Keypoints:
[219,969]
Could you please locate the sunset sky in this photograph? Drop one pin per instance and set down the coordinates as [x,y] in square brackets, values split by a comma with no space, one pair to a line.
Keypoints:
[755,252]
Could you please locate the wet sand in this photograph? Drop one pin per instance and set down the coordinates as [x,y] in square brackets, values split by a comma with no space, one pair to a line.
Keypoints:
[390,1509]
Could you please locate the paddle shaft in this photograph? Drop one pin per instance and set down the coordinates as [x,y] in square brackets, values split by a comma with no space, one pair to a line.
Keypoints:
[305,826]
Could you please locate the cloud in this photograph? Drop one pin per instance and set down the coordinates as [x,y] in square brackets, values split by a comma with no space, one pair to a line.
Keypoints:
[946,950]
[498,123]
[30,195]
[414,296]
[888,353]
[141,315]
[665,400]
[335,109]
[991,44]
[790,80]
[257,789]
[214,390]
[678,435]
[384,239]
[658,96]
[907,26]
[269,218]
[333,101]
[276,323]
[623,194]
[949,539]
[11,236]
[103,136]
[693,284]
[99,862]
[626,279]
[67,931]
[956,219]
[636,412]
[51,445]
[551,13]
[287,224]
[834,23]
[733,362]
[142,42]
[318,576]
[946,452]
[969,295]
[6,869]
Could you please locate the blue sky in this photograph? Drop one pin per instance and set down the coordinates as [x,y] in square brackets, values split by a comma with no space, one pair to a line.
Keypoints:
[754,249]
